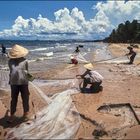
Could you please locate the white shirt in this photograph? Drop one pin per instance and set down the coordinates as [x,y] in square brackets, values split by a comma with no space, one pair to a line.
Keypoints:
[93,75]
[96,76]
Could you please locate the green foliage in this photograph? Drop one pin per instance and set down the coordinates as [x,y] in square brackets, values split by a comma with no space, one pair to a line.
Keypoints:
[125,33]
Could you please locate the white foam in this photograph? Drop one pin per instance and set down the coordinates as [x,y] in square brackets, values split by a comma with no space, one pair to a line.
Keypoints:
[47,54]
[41,49]
[38,49]
[62,46]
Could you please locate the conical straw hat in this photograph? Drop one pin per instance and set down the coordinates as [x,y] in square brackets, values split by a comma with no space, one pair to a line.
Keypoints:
[89,66]
[17,51]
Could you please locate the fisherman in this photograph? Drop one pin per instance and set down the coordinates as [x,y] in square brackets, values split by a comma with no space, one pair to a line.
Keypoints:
[18,81]
[91,77]
[77,50]
[131,53]
[74,57]
[3,51]
[74,60]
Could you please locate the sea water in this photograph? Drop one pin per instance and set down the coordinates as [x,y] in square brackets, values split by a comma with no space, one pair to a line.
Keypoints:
[54,52]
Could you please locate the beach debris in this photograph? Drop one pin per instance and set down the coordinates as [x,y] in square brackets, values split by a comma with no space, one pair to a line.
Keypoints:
[121,108]
[99,133]
[127,118]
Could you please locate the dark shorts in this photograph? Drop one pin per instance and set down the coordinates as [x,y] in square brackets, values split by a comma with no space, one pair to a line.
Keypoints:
[90,81]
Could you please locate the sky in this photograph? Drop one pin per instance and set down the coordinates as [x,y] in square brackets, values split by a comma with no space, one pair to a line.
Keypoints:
[67,19]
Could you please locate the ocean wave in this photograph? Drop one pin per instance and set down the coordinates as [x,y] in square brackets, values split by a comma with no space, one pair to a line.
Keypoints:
[62,46]
[8,48]
[41,49]
[47,54]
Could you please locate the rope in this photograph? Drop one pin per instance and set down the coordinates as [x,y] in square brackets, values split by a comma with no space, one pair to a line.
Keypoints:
[107,59]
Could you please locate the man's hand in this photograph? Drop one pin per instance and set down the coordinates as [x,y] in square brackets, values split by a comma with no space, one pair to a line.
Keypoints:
[78,76]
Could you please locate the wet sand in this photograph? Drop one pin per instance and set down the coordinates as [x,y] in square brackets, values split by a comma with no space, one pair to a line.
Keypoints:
[121,84]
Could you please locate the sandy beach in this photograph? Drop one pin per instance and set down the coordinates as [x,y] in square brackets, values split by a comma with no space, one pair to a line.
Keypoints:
[113,113]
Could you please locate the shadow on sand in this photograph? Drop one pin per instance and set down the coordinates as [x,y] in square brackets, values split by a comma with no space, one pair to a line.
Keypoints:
[91,90]
[85,118]
[128,63]
[17,121]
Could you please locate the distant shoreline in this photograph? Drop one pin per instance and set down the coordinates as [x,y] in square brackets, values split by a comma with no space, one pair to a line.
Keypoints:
[61,41]
[67,40]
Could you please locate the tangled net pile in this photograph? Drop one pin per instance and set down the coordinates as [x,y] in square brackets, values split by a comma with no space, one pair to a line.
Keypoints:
[59,119]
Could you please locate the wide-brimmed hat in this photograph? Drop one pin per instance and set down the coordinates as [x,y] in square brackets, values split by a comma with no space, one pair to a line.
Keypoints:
[17,51]
[89,66]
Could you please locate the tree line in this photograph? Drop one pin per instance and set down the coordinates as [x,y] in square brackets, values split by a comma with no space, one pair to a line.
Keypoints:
[128,32]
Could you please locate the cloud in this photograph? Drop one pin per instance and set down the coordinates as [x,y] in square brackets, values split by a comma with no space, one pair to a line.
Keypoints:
[72,24]
[119,11]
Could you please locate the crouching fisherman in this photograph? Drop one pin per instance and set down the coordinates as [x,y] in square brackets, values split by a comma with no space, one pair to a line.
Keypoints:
[73,60]
[91,77]
[18,81]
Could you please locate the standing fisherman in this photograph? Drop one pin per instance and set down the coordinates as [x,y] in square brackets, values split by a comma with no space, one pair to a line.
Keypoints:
[77,50]
[132,54]
[18,81]
[3,50]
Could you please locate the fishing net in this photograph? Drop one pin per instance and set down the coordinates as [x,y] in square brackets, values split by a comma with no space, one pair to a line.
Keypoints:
[81,58]
[57,119]
[4,76]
